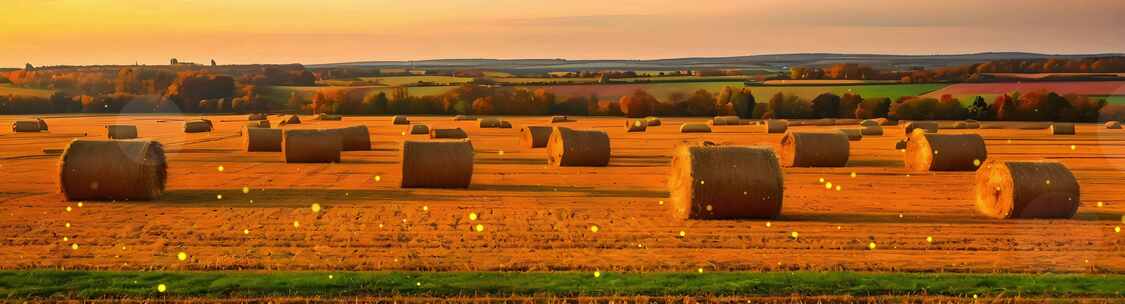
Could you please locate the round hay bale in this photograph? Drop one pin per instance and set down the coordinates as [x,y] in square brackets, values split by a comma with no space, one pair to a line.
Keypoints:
[310,146]
[121,131]
[695,128]
[821,122]
[437,164]
[900,145]
[258,116]
[852,133]
[725,182]
[635,125]
[652,121]
[845,121]
[504,124]
[258,124]
[1112,125]
[1062,128]
[324,116]
[1009,189]
[775,126]
[814,149]
[966,125]
[555,119]
[489,123]
[292,120]
[886,121]
[578,148]
[419,129]
[869,122]
[354,138]
[262,140]
[928,126]
[945,152]
[196,126]
[42,124]
[535,136]
[871,130]
[453,133]
[112,170]
[726,121]
[400,120]
[464,117]
[25,126]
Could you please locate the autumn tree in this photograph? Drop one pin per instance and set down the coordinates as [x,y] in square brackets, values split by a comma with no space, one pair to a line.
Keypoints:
[639,104]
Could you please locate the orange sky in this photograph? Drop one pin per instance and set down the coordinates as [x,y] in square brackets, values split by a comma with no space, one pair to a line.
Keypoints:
[49,32]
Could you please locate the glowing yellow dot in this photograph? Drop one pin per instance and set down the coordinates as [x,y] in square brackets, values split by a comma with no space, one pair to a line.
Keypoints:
[418,283]
[182,256]
[425,208]
[683,233]
[821,180]
[501,152]
[900,215]
[404,133]
[794,234]
[597,274]
[701,182]
[660,203]
[245,231]
[828,185]
[472,216]
[839,227]
[68,209]
[315,207]
[871,245]
[245,190]
[378,178]
[64,239]
[219,196]
[769,224]
[929,239]
[331,277]
[700,270]
[221,168]
[68,225]
[708,207]
[74,246]
[838,188]
[1117,229]
[79,204]
[1100,204]
[478,228]
[974,296]
[296,224]
[161,288]
[976,162]
[853,174]
[1073,147]
[594,228]
[1048,182]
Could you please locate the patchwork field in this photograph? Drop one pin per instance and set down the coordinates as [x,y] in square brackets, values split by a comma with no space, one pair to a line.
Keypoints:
[1097,88]
[230,210]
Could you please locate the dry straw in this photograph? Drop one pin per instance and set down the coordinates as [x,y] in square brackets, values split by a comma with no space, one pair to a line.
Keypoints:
[555,119]
[504,124]
[121,131]
[196,126]
[400,120]
[968,124]
[450,133]
[581,148]
[464,117]
[726,121]
[871,130]
[112,170]
[695,128]
[1062,128]
[869,122]
[775,126]
[1009,189]
[262,140]
[489,123]
[311,146]
[635,125]
[535,136]
[814,149]
[26,126]
[437,164]
[354,138]
[725,182]
[945,152]
[419,129]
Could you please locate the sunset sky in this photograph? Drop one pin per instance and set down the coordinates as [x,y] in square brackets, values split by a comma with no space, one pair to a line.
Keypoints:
[80,32]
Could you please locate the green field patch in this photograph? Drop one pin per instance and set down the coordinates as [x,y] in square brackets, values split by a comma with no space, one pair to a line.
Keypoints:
[7,89]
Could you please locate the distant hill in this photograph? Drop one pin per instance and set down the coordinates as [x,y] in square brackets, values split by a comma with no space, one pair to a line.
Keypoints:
[764,62]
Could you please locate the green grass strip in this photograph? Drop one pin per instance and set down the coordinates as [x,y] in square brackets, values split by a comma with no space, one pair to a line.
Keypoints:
[99,284]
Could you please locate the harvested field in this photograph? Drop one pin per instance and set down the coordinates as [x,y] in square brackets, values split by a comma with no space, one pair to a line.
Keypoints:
[1098,88]
[227,209]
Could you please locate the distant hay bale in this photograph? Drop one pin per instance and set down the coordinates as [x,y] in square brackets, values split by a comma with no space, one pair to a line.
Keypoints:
[1112,125]
[1010,189]
[419,129]
[869,122]
[196,126]
[966,125]
[354,138]
[558,118]
[133,170]
[725,182]
[726,121]
[464,117]
[578,148]
[1016,125]
[652,121]
[821,122]
[400,120]
[928,126]
[695,128]
[489,123]
[852,133]
[42,124]
[437,164]
[1062,128]
[886,122]
[262,139]
[635,125]
[774,126]
[258,116]
[258,124]
[814,149]
[504,124]
[311,146]
[871,130]
[450,133]
[945,152]
[535,136]
[292,120]
[845,121]
[324,116]
[900,145]
[121,131]
[26,126]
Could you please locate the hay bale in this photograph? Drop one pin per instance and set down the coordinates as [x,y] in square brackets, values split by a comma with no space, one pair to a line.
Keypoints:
[419,129]
[853,134]
[196,126]
[292,120]
[578,148]
[42,124]
[453,133]
[400,120]
[726,121]
[725,182]
[871,130]
[258,116]
[262,139]
[258,124]
[900,145]
[25,126]
[814,149]
[504,124]
[437,164]
[966,125]
[464,117]
[535,136]
[774,126]
[652,121]
[821,122]
[354,138]
[489,123]
[1112,125]
[311,146]
[1062,128]
[112,170]
[845,121]
[945,152]
[333,117]
[886,122]
[695,128]
[1016,125]
[635,125]
[555,119]
[927,126]
[869,122]
[121,131]
[1010,189]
